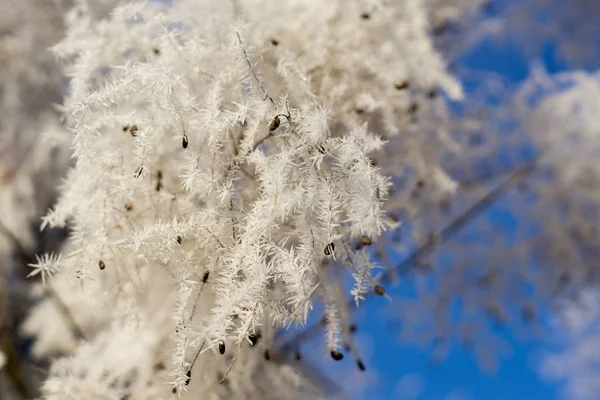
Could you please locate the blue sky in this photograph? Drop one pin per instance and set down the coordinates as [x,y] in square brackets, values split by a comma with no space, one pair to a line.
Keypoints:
[395,368]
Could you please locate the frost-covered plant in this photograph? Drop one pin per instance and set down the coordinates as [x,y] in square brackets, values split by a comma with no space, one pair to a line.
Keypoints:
[575,360]
[540,240]
[225,167]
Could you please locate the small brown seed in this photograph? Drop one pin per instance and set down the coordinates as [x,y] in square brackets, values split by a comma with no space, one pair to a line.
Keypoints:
[274,124]
[401,85]
[379,290]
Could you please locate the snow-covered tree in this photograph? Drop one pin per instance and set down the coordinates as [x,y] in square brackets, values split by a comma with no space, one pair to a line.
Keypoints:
[235,162]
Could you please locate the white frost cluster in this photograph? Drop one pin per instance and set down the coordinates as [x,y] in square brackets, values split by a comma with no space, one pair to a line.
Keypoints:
[577,363]
[225,166]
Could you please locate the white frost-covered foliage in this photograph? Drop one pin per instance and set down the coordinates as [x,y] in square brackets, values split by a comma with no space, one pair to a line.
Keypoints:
[223,167]
[560,112]
[538,239]
[577,362]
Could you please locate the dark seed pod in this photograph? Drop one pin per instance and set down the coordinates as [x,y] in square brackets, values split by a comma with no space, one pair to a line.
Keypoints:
[128,206]
[267,355]
[125,128]
[379,290]
[360,365]
[329,249]
[253,339]
[156,50]
[138,171]
[205,276]
[274,42]
[353,328]
[365,240]
[401,85]
[158,186]
[179,239]
[133,130]
[189,377]
[274,124]
[336,355]
[222,347]
[297,356]
[174,390]
[365,16]
[184,141]
[101,265]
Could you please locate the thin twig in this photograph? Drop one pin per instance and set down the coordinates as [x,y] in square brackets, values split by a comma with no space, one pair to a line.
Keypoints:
[260,85]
